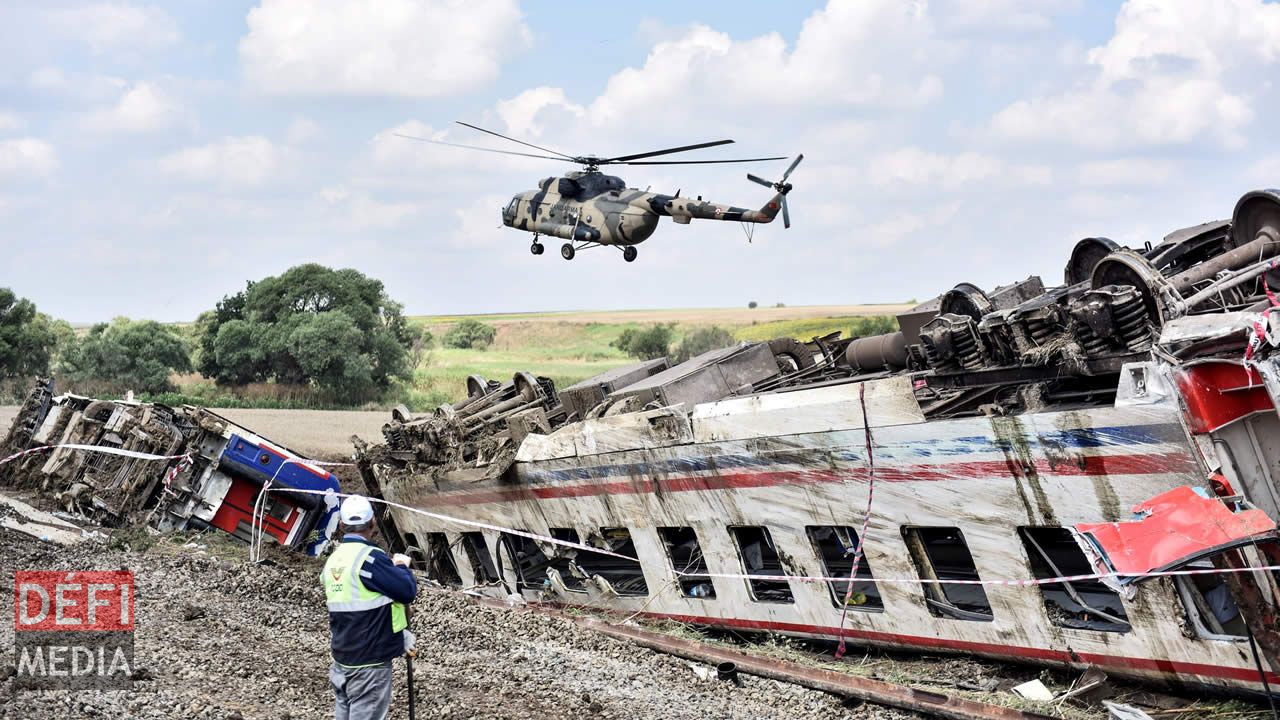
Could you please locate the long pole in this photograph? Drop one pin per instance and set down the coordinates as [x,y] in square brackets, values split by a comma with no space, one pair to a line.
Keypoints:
[408,666]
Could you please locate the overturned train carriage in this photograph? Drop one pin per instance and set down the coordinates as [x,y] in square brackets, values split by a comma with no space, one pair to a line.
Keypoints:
[1122,422]
[126,463]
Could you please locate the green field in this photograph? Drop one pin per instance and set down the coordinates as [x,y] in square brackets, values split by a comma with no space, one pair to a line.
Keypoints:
[569,351]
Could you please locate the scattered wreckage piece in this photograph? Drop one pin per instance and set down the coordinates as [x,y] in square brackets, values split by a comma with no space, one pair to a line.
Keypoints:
[879,692]
[170,468]
[983,433]
[20,517]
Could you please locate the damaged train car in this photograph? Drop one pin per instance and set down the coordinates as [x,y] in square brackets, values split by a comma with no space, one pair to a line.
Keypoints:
[1120,426]
[90,455]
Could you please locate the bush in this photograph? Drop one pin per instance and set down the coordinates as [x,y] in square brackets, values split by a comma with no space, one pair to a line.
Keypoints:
[470,334]
[873,325]
[28,338]
[753,305]
[128,354]
[312,325]
[646,344]
[702,340]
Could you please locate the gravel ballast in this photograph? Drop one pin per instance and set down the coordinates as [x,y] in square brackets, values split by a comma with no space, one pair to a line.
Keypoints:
[219,638]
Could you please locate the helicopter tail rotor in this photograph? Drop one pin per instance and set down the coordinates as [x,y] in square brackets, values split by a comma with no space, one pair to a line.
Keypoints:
[782,187]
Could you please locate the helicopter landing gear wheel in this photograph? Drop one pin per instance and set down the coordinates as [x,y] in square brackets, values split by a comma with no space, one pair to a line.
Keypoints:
[566,251]
[536,248]
[629,253]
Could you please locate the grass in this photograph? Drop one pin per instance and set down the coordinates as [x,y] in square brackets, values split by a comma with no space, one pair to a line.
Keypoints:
[567,347]
[569,352]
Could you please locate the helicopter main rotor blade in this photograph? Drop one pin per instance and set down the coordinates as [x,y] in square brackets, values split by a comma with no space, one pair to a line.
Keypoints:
[759,180]
[794,163]
[504,137]
[668,151]
[698,162]
[481,149]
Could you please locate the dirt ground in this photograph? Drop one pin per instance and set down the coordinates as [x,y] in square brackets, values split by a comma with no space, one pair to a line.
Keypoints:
[259,649]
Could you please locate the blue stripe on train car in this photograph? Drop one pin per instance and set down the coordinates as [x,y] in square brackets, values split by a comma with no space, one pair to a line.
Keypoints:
[260,464]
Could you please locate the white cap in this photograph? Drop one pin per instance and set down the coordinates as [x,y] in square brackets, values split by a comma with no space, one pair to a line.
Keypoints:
[356,510]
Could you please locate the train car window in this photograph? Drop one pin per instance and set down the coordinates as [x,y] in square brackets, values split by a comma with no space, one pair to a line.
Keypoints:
[566,558]
[759,557]
[440,564]
[1209,604]
[481,561]
[625,576]
[940,553]
[835,545]
[527,559]
[686,557]
[1080,604]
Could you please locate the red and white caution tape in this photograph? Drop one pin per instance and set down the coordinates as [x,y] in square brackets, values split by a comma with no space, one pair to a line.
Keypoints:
[92,448]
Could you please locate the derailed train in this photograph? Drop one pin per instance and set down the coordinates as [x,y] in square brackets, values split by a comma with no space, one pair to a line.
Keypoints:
[186,468]
[1122,422]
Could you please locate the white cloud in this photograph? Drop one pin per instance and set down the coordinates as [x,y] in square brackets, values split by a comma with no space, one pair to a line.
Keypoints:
[302,130]
[24,157]
[411,48]
[10,121]
[362,212]
[913,166]
[873,52]
[230,162]
[1171,73]
[107,27]
[142,108]
[521,113]
[1126,172]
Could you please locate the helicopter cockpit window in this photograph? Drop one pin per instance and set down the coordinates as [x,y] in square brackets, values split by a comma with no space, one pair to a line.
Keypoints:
[511,206]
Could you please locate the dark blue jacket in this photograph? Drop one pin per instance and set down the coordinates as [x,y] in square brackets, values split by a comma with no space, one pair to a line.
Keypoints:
[365,638]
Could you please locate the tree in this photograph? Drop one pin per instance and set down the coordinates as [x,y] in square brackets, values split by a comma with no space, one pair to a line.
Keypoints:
[130,354]
[336,329]
[470,333]
[647,344]
[28,338]
[753,305]
[702,340]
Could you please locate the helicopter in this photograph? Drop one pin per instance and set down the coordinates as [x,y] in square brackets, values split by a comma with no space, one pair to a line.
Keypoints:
[591,209]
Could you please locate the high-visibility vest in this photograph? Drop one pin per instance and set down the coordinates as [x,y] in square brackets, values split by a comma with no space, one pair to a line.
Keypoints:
[345,592]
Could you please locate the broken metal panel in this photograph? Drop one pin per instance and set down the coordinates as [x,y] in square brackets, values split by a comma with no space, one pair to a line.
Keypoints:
[710,376]
[888,402]
[1169,530]
[579,399]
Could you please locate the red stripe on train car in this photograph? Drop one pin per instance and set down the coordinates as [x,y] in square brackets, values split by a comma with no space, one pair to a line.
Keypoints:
[1031,653]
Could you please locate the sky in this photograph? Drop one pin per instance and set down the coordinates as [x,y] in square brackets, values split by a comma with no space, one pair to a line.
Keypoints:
[156,157]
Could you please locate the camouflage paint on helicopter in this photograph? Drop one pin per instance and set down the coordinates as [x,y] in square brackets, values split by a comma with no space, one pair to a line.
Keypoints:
[591,209]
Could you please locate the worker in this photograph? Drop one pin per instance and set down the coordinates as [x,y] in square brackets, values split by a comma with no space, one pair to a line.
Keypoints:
[366,592]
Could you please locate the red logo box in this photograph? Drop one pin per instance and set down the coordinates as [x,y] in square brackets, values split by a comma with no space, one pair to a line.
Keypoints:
[85,600]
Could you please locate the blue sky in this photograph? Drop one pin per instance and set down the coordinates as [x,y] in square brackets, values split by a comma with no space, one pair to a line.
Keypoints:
[155,157]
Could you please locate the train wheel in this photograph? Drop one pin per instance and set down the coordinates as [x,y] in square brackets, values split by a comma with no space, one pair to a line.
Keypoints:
[629,253]
[566,251]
